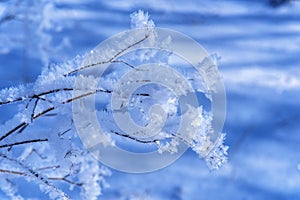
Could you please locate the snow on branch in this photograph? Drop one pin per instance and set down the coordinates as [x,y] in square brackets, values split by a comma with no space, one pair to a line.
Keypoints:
[40,143]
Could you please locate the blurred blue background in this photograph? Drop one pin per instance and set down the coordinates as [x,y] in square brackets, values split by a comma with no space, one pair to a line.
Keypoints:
[259,45]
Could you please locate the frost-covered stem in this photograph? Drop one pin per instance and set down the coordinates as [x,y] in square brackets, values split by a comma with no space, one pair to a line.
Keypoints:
[36,175]
[64,179]
[111,60]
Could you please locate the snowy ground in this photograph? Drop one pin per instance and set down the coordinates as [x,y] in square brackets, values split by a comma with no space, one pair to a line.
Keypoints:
[260,64]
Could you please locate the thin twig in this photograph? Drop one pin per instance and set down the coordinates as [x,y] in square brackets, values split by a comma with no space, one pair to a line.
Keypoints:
[23,142]
[13,172]
[66,180]
[23,128]
[21,125]
[64,132]
[34,107]
[135,139]
[111,59]
[126,63]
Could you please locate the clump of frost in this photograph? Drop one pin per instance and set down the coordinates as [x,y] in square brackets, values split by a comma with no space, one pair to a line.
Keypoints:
[217,156]
[140,19]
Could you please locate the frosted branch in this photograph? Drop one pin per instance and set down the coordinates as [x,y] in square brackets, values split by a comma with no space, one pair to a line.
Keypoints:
[36,175]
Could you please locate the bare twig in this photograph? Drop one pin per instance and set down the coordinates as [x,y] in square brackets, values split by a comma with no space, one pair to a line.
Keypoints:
[66,180]
[23,142]
[135,139]
[21,125]
[64,132]
[42,113]
[124,62]
[13,172]
[23,128]
[34,107]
